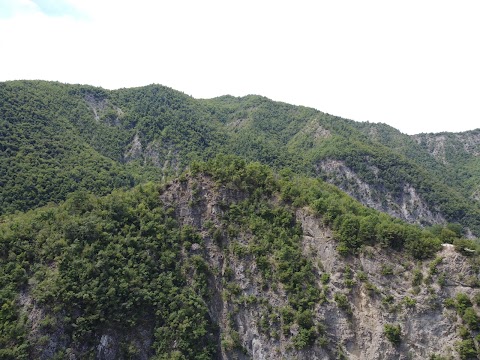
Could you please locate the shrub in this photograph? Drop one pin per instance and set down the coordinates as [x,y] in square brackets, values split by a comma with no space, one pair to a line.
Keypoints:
[437,357]
[423,247]
[442,280]
[305,319]
[466,247]
[464,332]
[409,302]
[342,302]
[304,338]
[434,264]
[388,299]
[393,333]
[386,270]
[325,278]
[362,276]
[449,303]
[466,349]
[371,288]
[462,302]
[417,277]
[471,318]
[476,299]
[217,236]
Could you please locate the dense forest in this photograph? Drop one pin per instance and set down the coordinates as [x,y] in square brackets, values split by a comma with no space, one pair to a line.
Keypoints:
[58,138]
[126,262]
[144,223]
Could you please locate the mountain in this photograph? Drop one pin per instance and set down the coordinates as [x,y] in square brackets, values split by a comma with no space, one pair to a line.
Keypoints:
[451,156]
[143,223]
[58,138]
[232,261]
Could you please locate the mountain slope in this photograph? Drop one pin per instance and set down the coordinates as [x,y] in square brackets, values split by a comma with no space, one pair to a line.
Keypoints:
[230,261]
[43,157]
[153,132]
[460,153]
[452,156]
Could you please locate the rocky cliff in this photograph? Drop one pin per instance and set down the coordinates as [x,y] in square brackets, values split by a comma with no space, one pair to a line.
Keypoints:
[240,269]
[360,294]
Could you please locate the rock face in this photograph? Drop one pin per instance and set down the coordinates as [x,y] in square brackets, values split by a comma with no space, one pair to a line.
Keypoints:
[135,149]
[103,110]
[427,328]
[409,206]
[381,287]
[442,146]
[361,294]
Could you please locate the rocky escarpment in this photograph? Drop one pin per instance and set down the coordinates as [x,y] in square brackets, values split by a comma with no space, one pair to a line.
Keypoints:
[458,152]
[160,154]
[408,205]
[445,146]
[103,110]
[360,294]
[204,268]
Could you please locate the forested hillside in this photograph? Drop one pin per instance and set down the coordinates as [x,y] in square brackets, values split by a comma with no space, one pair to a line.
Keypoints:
[143,223]
[232,260]
[451,156]
[58,138]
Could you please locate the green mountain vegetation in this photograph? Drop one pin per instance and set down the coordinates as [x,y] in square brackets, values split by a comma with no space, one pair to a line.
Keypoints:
[58,138]
[144,223]
[449,156]
[128,264]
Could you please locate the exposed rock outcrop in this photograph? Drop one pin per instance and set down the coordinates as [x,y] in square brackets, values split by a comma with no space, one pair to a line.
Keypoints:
[409,206]
[360,294]
[381,291]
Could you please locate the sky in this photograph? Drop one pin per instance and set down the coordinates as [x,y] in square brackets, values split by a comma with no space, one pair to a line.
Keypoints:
[413,64]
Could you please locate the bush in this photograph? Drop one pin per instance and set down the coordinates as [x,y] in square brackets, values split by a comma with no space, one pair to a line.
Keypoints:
[342,302]
[466,349]
[449,303]
[466,247]
[325,278]
[417,277]
[304,338]
[393,333]
[361,276]
[386,270]
[305,319]
[476,299]
[434,264]
[437,357]
[462,303]
[409,302]
[423,247]
[471,318]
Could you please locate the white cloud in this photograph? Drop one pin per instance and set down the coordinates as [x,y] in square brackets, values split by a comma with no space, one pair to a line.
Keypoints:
[412,64]
[10,8]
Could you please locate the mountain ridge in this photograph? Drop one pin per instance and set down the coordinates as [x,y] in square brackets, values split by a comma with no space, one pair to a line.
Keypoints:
[155,132]
[143,223]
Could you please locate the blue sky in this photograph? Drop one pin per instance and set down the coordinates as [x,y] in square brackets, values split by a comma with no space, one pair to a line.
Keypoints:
[57,8]
[411,64]
[12,8]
